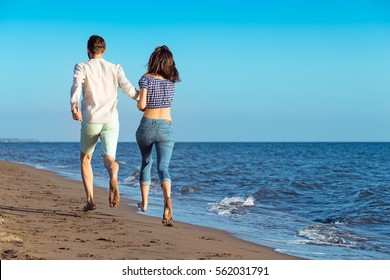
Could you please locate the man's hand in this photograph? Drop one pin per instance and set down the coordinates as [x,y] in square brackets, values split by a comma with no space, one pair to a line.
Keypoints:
[76,114]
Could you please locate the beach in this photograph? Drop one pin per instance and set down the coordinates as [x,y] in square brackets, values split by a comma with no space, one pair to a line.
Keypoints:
[41,217]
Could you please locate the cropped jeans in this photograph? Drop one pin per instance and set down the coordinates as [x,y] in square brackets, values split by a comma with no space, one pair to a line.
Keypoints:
[159,133]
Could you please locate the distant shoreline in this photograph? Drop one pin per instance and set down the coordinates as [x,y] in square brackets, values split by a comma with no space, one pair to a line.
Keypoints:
[12,140]
[16,140]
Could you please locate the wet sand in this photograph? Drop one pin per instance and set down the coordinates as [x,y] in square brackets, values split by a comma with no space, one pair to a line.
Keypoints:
[41,217]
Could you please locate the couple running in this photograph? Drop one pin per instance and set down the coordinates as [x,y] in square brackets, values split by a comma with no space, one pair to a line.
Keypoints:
[97,80]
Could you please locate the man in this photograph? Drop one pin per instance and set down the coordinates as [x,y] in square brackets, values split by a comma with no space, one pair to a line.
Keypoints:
[98,80]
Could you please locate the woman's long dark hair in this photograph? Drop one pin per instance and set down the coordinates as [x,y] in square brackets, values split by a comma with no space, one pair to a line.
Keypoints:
[161,63]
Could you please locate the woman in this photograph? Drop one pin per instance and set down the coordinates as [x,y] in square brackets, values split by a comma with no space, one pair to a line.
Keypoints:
[157,88]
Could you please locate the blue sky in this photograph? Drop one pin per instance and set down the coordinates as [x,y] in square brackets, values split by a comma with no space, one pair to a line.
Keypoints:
[251,70]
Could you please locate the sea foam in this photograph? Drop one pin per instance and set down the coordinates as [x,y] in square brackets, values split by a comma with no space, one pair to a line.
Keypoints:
[231,205]
[330,235]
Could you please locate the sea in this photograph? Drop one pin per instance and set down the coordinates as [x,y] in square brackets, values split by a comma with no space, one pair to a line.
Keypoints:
[319,201]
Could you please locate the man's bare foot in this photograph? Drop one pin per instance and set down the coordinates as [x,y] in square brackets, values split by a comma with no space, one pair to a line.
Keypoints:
[142,206]
[89,206]
[114,193]
[167,217]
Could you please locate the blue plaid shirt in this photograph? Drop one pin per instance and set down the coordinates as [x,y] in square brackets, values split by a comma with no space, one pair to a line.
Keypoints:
[160,92]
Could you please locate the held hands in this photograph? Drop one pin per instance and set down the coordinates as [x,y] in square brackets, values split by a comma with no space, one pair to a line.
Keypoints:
[76,114]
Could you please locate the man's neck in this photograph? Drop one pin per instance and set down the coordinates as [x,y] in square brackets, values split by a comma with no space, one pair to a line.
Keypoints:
[97,56]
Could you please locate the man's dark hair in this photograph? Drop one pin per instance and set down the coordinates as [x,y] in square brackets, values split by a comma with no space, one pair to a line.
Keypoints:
[96,44]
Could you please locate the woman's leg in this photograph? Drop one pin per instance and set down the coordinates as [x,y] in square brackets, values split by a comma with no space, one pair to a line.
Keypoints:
[144,178]
[167,215]
[145,147]
[143,205]
[164,153]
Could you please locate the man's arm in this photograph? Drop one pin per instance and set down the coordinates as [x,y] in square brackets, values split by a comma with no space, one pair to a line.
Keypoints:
[126,87]
[75,92]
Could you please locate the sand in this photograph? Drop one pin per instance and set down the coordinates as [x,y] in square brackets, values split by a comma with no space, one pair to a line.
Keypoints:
[41,217]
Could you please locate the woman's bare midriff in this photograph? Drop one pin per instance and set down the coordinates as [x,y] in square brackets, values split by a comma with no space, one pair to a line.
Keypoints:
[161,114]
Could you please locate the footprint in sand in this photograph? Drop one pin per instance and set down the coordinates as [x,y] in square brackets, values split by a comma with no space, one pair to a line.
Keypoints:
[85,255]
[105,239]
[9,254]
[210,238]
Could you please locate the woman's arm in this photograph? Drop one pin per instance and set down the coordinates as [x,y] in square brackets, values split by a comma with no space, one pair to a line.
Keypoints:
[141,104]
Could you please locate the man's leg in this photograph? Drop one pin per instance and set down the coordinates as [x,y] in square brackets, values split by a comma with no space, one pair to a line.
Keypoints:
[109,141]
[88,139]
[113,168]
[87,176]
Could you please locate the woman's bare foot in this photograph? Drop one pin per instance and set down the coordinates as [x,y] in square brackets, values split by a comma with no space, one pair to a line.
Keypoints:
[142,206]
[89,206]
[167,217]
[114,193]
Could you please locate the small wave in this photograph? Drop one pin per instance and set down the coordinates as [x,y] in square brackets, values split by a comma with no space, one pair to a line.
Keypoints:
[40,166]
[336,221]
[302,185]
[132,179]
[231,205]
[364,196]
[331,235]
[188,189]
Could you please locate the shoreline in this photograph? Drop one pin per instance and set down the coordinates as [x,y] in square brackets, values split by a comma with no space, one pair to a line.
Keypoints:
[41,217]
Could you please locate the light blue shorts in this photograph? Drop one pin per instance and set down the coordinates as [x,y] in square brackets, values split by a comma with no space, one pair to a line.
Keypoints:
[108,133]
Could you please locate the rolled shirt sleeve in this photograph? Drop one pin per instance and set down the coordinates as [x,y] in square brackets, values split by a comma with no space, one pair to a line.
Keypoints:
[124,84]
[76,89]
